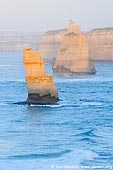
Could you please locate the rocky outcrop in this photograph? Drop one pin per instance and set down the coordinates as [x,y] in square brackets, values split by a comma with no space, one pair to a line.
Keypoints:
[100,44]
[41,87]
[73,55]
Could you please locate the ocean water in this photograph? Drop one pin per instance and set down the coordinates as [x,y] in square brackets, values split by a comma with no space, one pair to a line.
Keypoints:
[77,133]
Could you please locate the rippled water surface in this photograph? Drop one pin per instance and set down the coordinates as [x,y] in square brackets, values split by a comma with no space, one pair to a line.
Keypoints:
[77,132]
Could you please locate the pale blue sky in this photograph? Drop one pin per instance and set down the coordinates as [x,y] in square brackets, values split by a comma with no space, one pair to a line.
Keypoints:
[43,15]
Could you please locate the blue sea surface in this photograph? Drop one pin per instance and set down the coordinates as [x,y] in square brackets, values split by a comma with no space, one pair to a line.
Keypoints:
[76,133]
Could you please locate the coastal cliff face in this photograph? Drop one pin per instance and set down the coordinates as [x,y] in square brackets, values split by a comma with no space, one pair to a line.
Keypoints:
[73,55]
[50,45]
[18,41]
[41,87]
[100,44]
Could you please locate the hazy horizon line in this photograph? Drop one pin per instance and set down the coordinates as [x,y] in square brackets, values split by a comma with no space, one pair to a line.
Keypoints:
[19,31]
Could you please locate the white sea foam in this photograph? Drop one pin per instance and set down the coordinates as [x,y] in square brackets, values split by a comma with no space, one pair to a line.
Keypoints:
[91,103]
[47,106]
[83,155]
[76,157]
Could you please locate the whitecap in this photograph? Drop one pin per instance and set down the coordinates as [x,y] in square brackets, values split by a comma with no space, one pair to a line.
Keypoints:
[78,156]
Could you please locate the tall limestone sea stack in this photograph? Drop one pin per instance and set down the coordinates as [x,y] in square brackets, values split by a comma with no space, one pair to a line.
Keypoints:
[73,55]
[41,87]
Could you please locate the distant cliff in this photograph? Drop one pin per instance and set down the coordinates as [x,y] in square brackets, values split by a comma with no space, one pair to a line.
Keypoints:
[50,44]
[100,44]
[17,41]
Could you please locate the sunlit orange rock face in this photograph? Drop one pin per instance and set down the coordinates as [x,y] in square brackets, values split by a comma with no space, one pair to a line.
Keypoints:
[41,87]
[73,55]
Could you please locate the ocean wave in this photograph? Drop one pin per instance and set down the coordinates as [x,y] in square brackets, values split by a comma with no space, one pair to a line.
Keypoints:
[74,159]
[55,106]
[88,140]
[59,105]
[87,133]
[67,105]
[78,156]
[41,156]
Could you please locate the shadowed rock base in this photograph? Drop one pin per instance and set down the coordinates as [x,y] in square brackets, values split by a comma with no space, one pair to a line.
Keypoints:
[64,70]
[34,98]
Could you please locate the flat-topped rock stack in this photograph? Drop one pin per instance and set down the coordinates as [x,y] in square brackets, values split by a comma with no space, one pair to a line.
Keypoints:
[41,87]
[73,55]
